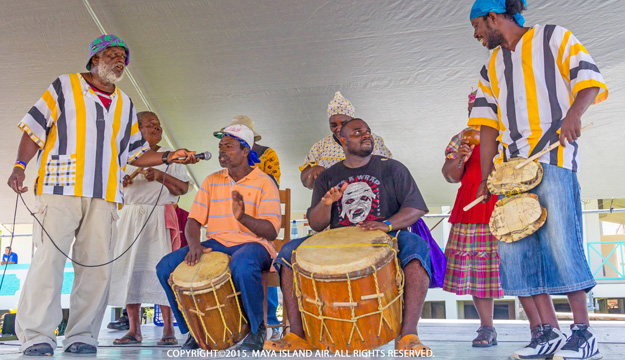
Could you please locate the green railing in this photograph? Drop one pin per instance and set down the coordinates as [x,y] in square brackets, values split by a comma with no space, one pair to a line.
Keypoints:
[598,272]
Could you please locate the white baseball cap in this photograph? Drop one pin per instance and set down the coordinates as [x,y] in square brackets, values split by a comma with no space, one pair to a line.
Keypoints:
[238,131]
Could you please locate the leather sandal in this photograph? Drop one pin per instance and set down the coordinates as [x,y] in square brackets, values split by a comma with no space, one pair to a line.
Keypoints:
[411,345]
[167,341]
[127,340]
[290,342]
[485,333]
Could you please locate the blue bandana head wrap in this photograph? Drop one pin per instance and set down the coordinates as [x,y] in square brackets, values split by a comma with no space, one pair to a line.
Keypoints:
[253,156]
[484,7]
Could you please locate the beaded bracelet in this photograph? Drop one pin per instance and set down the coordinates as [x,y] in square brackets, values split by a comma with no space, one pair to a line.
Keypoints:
[21,164]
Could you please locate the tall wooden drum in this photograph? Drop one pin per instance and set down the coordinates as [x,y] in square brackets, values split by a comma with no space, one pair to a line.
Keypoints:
[209,302]
[349,288]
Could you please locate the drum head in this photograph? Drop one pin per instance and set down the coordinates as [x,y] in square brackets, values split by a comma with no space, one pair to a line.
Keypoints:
[210,269]
[344,250]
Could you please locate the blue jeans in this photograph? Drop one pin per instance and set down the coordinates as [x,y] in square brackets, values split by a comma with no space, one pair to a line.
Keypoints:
[411,247]
[272,306]
[551,260]
[248,261]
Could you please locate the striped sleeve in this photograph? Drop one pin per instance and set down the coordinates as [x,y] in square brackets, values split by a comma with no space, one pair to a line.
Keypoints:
[137,144]
[576,65]
[269,207]
[451,151]
[313,156]
[40,118]
[200,207]
[485,107]
[380,148]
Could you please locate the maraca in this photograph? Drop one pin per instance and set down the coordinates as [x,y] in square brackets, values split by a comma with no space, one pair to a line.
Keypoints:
[473,137]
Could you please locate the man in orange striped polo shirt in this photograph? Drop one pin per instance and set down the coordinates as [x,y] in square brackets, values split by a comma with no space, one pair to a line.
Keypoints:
[240,206]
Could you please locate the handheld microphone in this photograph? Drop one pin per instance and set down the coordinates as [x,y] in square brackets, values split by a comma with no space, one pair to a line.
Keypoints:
[202,156]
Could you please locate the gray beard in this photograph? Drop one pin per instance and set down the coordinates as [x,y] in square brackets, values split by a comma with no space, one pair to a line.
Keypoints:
[106,73]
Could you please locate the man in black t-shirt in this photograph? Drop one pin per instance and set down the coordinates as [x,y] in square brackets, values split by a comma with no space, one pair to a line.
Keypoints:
[372,193]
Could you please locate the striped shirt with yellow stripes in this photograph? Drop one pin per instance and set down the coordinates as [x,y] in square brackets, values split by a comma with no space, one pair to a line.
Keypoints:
[212,207]
[526,93]
[83,145]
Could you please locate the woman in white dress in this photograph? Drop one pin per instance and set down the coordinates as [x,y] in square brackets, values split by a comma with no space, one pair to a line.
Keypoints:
[134,278]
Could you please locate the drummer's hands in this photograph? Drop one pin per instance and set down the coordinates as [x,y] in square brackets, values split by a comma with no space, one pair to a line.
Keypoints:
[571,128]
[238,206]
[373,225]
[482,190]
[195,253]
[334,194]
[465,150]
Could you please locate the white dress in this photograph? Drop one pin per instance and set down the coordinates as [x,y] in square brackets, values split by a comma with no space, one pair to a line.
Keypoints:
[133,279]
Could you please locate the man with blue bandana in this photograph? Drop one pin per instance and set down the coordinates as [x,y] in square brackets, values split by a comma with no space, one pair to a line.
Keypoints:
[240,207]
[533,91]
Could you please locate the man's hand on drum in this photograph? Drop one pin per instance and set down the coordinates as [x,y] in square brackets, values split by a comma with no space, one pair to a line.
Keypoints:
[238,206]
[373,225]
[482,190]
[195,253]
[334,194]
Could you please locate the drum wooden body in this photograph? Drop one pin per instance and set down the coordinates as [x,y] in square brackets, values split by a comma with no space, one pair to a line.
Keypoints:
[209,301]
[349,288]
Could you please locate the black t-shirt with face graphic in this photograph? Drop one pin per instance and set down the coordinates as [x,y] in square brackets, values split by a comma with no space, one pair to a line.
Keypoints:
[374,192]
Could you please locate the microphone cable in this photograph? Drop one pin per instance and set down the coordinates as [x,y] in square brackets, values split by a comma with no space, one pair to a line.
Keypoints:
[19,196]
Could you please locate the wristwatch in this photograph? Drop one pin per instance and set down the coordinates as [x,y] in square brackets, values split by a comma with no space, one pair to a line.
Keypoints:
[165,156]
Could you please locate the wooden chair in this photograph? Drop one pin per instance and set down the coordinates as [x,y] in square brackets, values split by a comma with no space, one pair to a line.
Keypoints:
[272,278]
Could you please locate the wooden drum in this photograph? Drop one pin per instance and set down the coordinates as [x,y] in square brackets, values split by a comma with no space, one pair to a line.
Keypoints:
[210,304]
[349,288]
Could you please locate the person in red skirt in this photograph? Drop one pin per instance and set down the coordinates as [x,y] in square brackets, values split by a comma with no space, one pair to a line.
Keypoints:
[472,259]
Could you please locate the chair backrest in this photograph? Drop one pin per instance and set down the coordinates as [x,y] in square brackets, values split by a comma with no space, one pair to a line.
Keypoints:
[285,198]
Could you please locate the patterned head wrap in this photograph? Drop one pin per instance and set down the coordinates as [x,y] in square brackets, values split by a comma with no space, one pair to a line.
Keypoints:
[103,42]
[340,106]
[484,7]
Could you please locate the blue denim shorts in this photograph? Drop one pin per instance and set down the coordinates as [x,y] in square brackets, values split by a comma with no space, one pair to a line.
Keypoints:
[551,260]
[411,246]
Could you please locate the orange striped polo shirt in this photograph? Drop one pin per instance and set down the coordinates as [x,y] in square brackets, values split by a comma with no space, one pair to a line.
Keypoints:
[212,207]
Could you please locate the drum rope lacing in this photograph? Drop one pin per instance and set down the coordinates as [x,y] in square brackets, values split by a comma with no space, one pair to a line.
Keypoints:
[381,308]
[218,306]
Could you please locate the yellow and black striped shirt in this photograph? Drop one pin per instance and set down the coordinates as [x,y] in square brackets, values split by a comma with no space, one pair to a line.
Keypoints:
[83,145]
[526,93]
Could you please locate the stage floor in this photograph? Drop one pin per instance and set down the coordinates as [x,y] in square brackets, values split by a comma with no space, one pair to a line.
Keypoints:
[449,339]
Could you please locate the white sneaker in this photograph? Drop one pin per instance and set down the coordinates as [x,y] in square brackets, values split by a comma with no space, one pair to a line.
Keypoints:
[545,342]
[581,345]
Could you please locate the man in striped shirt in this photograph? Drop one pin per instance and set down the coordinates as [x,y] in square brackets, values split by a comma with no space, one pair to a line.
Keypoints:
[240,207]
[532,92]
[84,130]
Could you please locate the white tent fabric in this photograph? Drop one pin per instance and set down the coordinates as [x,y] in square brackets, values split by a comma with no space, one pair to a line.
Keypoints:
[407,66]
